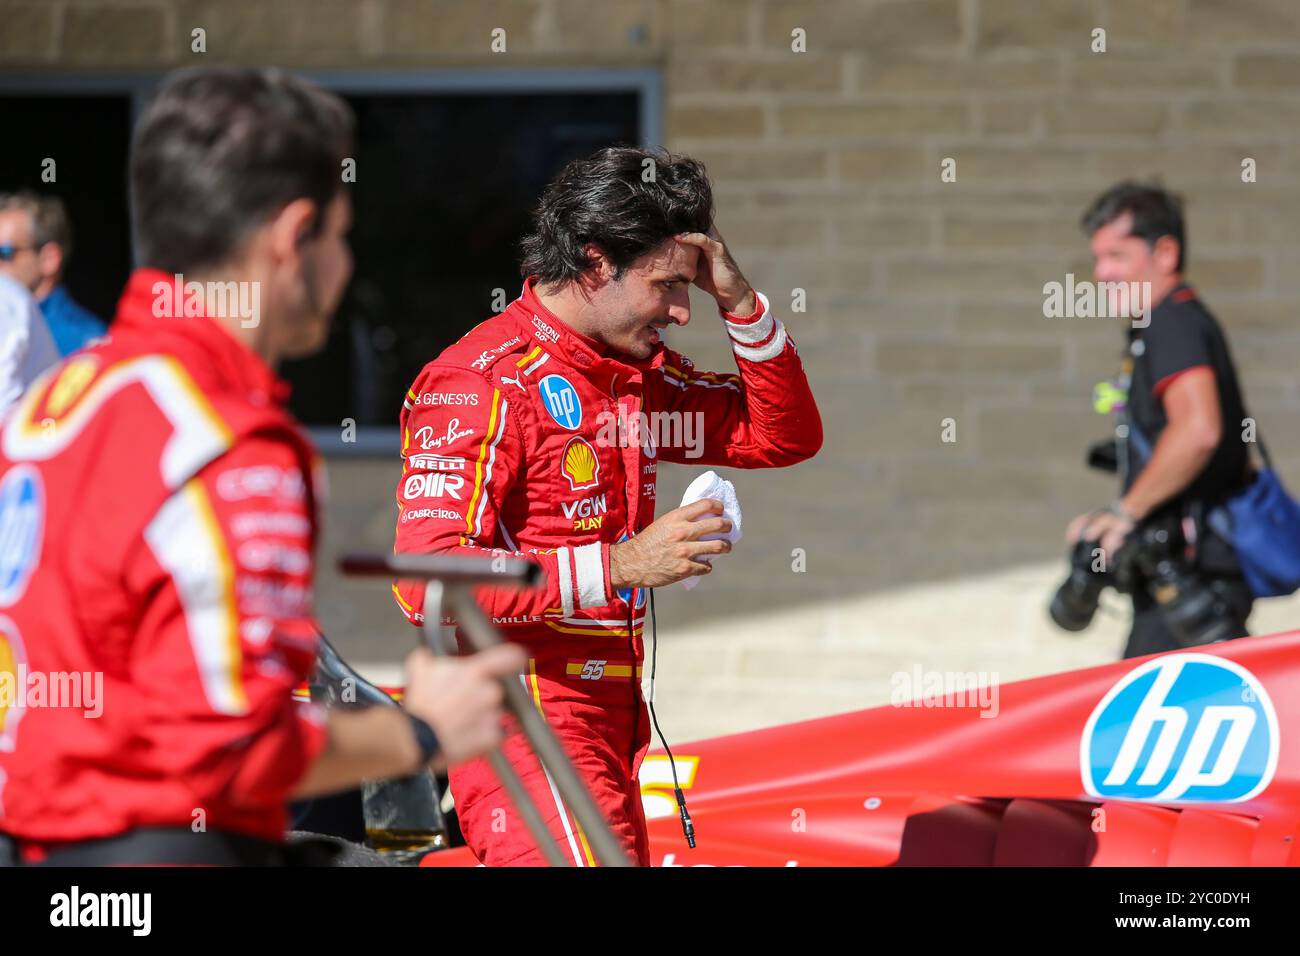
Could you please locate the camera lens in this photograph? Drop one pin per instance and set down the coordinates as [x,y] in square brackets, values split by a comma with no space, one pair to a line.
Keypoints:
[1075,602]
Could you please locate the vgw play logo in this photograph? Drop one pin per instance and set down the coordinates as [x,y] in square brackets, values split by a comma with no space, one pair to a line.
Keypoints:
[1188,727]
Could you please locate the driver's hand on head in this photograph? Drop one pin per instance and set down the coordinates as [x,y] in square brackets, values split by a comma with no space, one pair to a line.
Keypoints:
[461,698]
[718,274]
[669,550]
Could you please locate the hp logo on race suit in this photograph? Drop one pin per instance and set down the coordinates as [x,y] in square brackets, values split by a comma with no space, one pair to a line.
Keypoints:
[22,519]
[1187,727]
[561,400]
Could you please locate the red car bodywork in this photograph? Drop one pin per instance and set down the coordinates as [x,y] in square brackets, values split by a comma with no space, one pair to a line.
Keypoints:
[943,785]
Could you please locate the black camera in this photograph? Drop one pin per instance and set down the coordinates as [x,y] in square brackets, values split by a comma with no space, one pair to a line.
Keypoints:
[1150,559]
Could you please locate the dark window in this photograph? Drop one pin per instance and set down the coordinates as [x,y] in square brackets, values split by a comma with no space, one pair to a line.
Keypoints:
[445,184]
[88,138]
[444,187]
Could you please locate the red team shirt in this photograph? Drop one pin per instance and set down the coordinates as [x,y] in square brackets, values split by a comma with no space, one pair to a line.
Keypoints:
[158,520]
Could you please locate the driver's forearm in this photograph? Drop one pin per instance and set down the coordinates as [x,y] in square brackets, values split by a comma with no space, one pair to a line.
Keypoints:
[743,307]
[620,575]
[362,745]
[1181,453]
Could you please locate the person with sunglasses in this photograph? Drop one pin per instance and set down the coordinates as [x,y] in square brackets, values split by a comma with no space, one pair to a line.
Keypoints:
[35,245]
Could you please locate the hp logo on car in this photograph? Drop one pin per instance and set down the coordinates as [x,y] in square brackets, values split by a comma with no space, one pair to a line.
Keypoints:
[1187,728]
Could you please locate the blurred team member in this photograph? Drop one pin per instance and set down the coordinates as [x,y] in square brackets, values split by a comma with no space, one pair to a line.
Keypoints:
[35,245]
[158,514]
[26,348]
[511,439]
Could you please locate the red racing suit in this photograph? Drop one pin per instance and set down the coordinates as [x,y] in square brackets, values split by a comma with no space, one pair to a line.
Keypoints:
[530,438]
[158,516]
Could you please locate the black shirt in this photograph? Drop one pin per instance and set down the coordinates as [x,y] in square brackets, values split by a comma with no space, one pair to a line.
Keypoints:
[1184,335]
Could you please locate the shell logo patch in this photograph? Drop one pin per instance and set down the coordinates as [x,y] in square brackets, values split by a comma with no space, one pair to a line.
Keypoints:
[580,464]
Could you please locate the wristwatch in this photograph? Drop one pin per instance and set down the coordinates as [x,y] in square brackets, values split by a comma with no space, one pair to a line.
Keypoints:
[1117,508]
[425,738]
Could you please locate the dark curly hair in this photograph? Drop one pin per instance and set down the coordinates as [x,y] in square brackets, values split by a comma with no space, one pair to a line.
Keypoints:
[1156,212]
[624,200]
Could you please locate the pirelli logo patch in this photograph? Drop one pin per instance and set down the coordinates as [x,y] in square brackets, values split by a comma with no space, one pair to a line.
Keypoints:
[580,669]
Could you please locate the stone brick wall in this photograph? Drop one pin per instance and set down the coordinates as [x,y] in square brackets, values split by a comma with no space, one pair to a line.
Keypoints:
[923,297]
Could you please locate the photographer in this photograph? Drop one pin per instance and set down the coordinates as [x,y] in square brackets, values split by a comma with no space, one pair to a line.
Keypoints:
[1182,453]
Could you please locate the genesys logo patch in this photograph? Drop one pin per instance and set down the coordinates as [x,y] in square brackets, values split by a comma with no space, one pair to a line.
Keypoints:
[22,529]
[1188,728]
[446,398]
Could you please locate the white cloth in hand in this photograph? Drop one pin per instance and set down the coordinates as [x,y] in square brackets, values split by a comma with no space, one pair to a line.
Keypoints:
[710,485]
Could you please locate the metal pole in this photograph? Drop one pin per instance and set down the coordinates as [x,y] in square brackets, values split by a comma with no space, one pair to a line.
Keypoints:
[457,574]
[436,640]
[478,630]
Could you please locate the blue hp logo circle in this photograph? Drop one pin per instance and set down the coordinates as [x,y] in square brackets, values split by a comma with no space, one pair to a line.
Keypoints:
[1190,728]
[22,516]
[561,400]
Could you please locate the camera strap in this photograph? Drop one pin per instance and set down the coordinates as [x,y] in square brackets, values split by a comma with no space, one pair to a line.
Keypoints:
[1135,439]
[1194,516]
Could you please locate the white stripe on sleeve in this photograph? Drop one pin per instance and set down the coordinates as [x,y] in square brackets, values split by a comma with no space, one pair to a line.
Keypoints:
[591,576]
[566,580]
[182,537]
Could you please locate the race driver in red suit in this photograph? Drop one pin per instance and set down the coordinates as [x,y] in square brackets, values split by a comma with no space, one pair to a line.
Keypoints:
[158,514]
[511,442]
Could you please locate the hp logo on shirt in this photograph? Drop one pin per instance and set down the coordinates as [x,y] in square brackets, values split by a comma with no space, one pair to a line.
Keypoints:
[1190,728]
[561,400]
[22,517]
